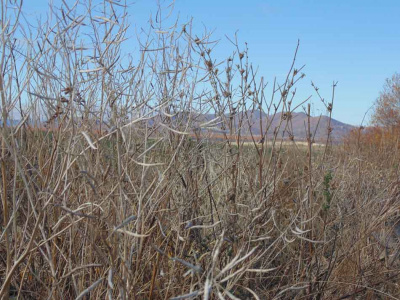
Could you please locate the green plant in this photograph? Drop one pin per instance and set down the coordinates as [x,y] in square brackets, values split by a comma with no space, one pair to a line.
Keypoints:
[327,191]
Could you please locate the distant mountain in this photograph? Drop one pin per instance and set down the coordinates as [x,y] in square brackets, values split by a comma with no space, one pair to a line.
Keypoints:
[10,122]
[297,125]
[286,125]
[294,125]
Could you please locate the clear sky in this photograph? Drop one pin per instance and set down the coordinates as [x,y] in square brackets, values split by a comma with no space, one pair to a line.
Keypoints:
[354,42]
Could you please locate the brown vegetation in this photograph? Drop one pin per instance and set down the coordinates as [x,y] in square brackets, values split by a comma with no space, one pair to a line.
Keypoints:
[127,197]
[387,108]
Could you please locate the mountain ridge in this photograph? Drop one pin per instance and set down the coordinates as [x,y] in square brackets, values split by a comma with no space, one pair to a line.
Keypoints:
[293,124]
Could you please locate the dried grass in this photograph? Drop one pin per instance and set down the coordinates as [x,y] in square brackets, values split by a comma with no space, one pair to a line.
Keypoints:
[122,196]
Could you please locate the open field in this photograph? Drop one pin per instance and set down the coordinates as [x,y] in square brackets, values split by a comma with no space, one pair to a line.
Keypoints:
[121,195]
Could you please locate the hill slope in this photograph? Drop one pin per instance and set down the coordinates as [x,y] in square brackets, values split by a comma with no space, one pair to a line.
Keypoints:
[296,125]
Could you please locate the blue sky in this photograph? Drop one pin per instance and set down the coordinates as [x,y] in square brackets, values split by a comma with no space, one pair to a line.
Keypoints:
[353,42]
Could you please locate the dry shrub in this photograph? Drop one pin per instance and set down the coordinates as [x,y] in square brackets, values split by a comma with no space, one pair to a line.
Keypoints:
[373,137]
[114,185]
